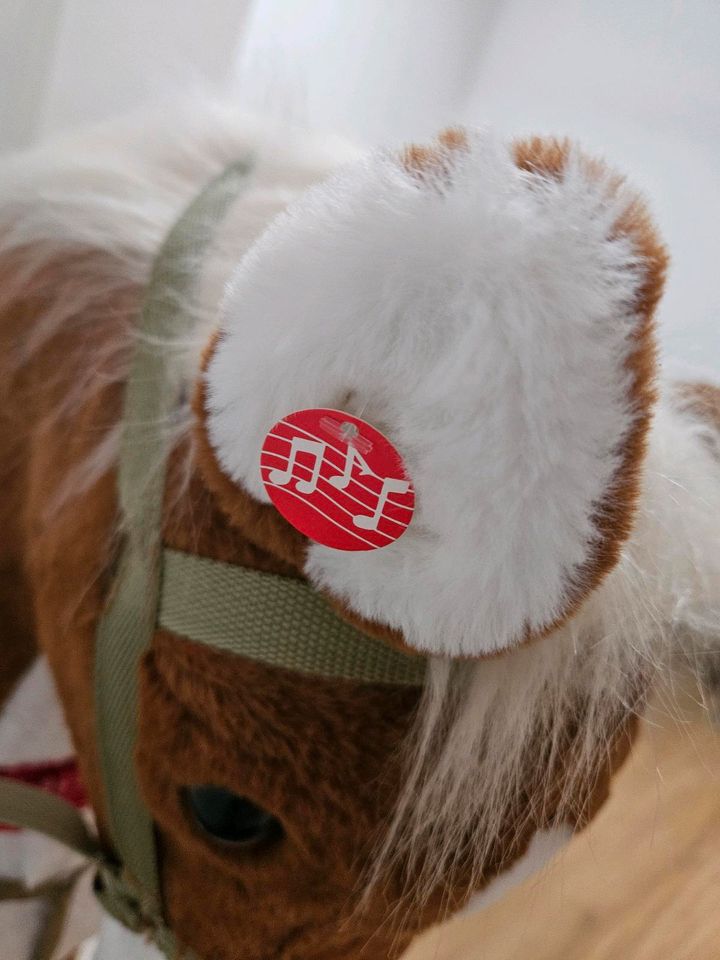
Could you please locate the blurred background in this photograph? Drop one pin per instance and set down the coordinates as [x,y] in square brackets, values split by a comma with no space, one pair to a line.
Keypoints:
[637,81]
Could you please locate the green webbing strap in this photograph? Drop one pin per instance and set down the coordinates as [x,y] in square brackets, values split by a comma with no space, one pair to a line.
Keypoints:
[30,807]
[277,620]
[26,806]
[152,398]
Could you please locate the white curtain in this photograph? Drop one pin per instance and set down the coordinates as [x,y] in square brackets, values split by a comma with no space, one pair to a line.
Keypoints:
[68,62]
[28,31]
[375,69]
[636,80]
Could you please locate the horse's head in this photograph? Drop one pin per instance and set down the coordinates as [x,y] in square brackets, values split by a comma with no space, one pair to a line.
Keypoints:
[489,310]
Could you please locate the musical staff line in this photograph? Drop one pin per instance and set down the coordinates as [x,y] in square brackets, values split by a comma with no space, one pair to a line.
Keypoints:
[278,436]
[281,486]
[347,530]
[361,503]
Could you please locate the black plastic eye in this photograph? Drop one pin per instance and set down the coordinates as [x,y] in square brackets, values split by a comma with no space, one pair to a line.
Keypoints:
[230,818]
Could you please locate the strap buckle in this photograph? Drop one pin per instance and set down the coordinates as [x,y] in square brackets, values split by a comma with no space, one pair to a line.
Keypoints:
[120,897]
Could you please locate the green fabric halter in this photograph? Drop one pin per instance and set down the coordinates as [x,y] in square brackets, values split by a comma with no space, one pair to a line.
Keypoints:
[276,620]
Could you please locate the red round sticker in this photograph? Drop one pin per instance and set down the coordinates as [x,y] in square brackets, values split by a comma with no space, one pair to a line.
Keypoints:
[337,479]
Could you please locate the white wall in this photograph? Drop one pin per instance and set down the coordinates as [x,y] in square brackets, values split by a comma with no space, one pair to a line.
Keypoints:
[375,69]
[68,62]
[114,54]
[636,80]
[28,33]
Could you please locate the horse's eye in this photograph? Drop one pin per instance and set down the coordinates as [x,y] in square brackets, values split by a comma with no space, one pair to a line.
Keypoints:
[230,818]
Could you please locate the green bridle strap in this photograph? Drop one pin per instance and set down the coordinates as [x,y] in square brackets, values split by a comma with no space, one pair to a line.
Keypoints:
[276,620]
[32,808]
[22,805]
[126,628]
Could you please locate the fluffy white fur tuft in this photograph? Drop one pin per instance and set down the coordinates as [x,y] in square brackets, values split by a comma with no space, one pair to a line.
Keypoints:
[482,321]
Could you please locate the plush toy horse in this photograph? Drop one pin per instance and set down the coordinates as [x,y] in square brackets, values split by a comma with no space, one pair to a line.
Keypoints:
[341,494]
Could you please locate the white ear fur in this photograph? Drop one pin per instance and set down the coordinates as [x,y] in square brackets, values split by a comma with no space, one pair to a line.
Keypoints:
[483,320]
[666,586]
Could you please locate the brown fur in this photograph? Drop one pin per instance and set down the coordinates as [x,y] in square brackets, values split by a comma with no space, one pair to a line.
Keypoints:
[322,755]
[17,641]
[63,557]
[315,753]
[435,160]
[702,399]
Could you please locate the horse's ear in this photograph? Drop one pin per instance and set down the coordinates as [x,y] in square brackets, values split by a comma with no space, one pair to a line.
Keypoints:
[489,309]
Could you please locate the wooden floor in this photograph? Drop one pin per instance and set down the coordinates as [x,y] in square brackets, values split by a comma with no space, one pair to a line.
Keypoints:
[642,883]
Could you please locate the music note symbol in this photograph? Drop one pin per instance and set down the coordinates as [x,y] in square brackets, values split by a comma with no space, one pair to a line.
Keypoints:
[390,485]
[299,445]
[341,480]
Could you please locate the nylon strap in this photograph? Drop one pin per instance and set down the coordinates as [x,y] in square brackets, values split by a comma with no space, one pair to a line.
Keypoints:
[125,630]
[32,808]
[26,806]
[273,619]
